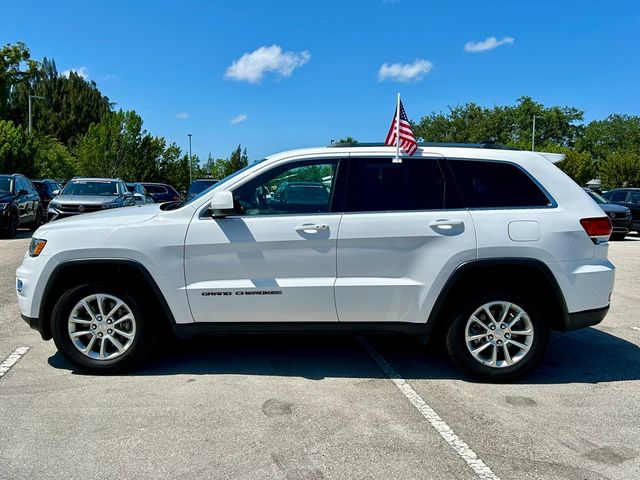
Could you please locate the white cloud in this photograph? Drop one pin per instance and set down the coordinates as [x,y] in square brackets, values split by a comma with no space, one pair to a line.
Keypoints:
[252,66]
[488,44]
[81,71]
[405,72]
[182,116]
[238,119]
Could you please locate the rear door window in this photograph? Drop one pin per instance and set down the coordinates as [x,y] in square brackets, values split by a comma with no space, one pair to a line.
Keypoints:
[619,196]
[378,185]
[487,184]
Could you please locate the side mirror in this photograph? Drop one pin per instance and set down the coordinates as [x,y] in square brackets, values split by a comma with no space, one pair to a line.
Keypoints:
[55,193]
[221,204]
[138,196]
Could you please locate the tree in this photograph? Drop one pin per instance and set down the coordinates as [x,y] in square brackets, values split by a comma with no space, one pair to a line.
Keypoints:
[349,141]
[17,149]
[69,105]
[119,147]
[237,160]
[616,133]
[578,165]
[52,159]
[621,169]
[16,66]
[509,125]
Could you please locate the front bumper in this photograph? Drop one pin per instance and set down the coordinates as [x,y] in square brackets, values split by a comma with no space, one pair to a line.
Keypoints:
[621,225]
[36,324]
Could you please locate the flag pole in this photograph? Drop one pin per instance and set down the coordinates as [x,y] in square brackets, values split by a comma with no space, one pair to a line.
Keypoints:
[397,159]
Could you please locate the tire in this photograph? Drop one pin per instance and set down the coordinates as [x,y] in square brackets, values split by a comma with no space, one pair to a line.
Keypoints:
[618,236]
[517,361]
[12,226]
[113,340]
[37,222]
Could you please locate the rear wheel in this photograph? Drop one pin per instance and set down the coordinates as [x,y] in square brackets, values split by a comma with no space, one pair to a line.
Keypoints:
[497,337]
[101,329]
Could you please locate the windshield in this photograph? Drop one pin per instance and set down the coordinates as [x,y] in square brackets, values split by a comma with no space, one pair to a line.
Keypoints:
[221,182]
[598,198]
[91,187]
[6,184]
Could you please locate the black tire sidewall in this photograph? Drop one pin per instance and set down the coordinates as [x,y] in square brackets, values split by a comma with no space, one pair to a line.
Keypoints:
[459,353]
[135,354]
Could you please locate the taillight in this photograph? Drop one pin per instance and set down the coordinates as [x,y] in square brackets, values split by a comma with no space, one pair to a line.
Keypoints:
[597,227]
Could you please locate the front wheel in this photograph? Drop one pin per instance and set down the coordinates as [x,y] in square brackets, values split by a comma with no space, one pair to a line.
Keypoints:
[101,329]
[498,337]
[37,222]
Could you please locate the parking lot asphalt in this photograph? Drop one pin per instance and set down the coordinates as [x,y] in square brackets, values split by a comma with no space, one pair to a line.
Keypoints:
[320,407]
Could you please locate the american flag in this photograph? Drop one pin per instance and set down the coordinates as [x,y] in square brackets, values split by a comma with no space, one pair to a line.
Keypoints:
[407,140]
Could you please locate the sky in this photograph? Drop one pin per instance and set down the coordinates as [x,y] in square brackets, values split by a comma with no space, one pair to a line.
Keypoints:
[274,75]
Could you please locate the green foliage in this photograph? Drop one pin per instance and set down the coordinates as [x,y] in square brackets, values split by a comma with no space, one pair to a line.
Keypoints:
[578,165]
[509,125]
[70,104]
[16,67]
[220,168]
[52,159]
[614,134]
[17,149]
[621,169]
[349,141]
[119,147]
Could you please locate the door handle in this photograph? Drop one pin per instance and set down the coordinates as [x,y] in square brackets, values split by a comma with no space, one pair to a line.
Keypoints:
[311,227]
[446,224]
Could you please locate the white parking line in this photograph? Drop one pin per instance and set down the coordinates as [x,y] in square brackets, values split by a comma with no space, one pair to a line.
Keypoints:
[459,446]
[12,359]
[636,328]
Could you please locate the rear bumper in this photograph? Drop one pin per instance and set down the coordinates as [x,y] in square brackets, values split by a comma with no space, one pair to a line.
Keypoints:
[586,318]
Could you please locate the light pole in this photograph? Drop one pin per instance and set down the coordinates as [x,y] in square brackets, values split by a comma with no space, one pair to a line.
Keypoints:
[190,180]
[30,97]
[533,135]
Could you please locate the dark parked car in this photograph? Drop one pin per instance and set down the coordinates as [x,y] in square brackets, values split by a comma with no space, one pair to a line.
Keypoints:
[19,204]
[630,198]
[161,192]
[620,216]
[84,195]
[140,194]
[200,185]
[47,189]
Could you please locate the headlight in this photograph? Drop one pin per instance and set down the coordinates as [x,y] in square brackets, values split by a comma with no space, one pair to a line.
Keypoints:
[115,204]
[36,246]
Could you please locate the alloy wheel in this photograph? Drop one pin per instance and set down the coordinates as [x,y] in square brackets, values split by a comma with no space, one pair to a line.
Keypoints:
[499,334]
[102,326]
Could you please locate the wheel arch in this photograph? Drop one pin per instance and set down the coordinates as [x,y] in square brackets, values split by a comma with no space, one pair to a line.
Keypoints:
[126,273]
[508,273]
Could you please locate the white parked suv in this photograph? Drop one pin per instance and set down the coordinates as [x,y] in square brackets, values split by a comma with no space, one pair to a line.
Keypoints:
[489,247]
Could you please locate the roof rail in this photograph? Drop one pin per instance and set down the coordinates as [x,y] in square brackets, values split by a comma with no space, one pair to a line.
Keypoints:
[487,145]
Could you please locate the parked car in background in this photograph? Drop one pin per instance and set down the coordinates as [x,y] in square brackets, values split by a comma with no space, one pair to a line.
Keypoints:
[19,204]
[47,189]
[620,215]
[83,195]
[630,198]
[140,194]
[161,192]
[200,185]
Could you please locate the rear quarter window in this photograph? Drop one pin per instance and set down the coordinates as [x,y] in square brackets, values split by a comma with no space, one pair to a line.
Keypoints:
[487,184]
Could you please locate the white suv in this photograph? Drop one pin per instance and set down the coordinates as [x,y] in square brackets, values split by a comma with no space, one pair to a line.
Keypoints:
[492,248]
